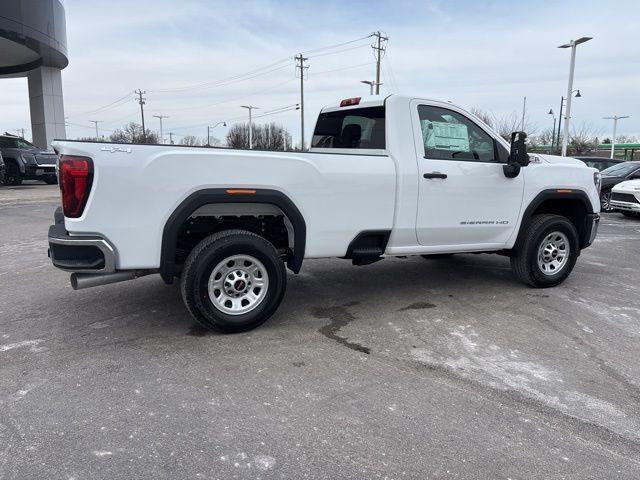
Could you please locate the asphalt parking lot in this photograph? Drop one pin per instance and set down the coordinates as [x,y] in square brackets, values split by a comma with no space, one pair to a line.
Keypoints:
[402,369]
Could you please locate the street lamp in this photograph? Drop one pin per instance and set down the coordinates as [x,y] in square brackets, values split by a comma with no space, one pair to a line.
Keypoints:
[572,44]
[562,99]
[615,119]
[250,108]
[371,85]
[224,124]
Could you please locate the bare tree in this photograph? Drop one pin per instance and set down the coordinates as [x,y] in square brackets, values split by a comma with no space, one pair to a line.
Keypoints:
[132,133]
[269,136]
[483,115]
[583,139]
[505,124]
[191,141]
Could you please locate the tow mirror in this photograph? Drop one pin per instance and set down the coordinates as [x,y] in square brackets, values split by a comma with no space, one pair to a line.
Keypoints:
[518,157]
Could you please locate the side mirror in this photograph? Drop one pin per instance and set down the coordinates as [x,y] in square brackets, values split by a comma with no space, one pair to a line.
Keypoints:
[518,157]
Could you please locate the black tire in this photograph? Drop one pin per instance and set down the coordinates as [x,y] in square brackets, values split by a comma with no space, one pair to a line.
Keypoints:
[605,200]
[202,261]
[525,263]
[12,175]
[630,214]
[437,256]
[51,180]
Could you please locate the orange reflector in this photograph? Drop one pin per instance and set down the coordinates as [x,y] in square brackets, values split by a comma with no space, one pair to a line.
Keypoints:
[565,191]
[240,191]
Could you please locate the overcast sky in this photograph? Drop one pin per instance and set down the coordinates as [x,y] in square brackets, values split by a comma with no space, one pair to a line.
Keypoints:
[483,54]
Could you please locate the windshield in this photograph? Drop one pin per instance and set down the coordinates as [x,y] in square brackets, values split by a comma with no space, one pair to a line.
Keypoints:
[15,142]
[620,170]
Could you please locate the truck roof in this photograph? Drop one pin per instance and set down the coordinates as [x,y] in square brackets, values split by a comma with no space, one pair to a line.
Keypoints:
[375,101]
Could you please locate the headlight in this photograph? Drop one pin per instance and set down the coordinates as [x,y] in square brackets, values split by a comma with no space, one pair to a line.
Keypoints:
[597,180]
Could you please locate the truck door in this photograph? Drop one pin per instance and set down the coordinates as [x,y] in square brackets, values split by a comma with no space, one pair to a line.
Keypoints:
[464,197]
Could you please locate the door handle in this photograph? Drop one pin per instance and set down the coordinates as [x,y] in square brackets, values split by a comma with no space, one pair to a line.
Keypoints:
[435,175]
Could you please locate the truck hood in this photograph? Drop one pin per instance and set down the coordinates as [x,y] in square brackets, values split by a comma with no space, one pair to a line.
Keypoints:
[558,160]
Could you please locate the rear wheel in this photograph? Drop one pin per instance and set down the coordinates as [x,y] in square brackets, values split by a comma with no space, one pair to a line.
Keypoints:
[548,251]
[12,176]
[233,281]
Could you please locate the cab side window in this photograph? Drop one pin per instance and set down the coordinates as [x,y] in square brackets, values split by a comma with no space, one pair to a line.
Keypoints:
[448,135]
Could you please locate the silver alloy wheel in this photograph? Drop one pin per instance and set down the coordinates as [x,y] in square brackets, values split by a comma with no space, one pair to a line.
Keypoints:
[553,253]
[605,201]
[238,284]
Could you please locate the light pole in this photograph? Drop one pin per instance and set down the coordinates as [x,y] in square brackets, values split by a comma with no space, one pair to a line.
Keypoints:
[572,44]
[562,99]
[250,108]
[371,85]
[553,132]
[224,124]
[615,119]
[160,117]
[96,122]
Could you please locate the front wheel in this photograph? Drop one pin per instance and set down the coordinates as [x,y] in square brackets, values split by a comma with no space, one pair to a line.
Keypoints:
[12,175]
[605,201]
[548,251]
[233,281]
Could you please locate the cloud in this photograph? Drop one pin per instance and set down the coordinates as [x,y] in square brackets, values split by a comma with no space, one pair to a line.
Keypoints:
[483,54]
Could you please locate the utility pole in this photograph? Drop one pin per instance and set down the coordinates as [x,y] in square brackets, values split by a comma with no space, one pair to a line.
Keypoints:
[250,108]
[379,48]
[160,117]
[21,132]
[300,59]
[141,101]
[171,134]
[96,122]
[615,119]
[524,109]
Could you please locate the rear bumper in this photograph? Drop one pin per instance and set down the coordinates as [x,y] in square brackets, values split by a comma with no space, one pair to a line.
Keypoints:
[82,254]
[593,221]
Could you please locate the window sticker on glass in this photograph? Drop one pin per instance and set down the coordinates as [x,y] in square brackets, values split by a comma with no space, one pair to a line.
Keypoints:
[445,136]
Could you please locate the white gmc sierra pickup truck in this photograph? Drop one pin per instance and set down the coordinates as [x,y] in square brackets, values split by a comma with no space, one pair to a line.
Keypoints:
[390,176]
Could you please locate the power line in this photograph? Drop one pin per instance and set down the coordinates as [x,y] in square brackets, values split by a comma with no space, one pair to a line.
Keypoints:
[119,101]
[330,47]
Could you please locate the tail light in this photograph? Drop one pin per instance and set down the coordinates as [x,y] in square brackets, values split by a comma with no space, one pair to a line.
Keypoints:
[75,178]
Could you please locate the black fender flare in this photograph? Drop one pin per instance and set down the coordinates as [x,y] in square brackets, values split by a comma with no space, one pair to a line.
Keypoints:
[223,195]
[551,194]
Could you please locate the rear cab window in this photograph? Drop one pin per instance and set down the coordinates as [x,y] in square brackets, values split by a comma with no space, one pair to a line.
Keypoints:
[352,128]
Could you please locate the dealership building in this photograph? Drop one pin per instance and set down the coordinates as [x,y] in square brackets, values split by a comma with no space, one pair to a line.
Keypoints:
[33,44]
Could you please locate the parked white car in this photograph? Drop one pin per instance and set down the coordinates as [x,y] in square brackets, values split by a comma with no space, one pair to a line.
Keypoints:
[625,197]
[392,176]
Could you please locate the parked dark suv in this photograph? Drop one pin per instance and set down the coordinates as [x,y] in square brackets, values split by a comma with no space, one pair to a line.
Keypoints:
[601,163]
[25,161]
